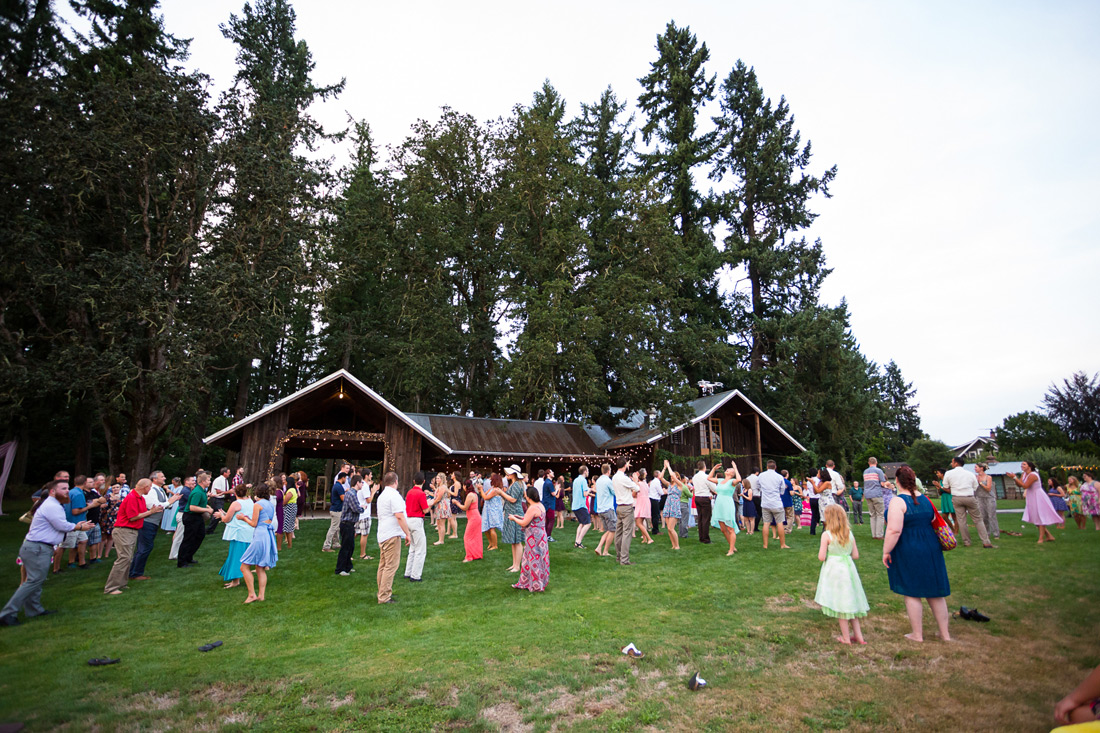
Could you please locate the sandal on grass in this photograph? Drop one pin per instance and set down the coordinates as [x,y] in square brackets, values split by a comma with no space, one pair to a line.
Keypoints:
[211,645]
[103,661]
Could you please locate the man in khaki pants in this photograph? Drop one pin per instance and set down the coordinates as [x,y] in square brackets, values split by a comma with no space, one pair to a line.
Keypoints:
[391,527]
[131,515]
[962,484]
[625,491]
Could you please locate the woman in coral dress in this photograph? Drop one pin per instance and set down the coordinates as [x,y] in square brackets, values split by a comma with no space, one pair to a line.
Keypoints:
[1037,507]
[534,570]
[472,537]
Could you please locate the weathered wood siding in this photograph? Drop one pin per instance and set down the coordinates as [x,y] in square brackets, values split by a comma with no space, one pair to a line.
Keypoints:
[259,438]
[405,449]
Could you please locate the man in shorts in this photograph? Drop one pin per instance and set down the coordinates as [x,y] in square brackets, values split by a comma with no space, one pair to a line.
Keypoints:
[605,502]
[771,486]
[580,490]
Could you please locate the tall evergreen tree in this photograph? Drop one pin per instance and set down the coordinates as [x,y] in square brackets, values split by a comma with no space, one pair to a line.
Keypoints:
[551,371]
[1075,406]
[674,92]
[123,170]
[271,216]
[766,204]
[449,264]
[900,419]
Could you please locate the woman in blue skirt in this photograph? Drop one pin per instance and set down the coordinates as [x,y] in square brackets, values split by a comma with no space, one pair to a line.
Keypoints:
[262,552]
[238,534]
[913,558]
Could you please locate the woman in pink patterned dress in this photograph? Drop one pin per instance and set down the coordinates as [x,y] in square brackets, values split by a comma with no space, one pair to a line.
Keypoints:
[535,568]
[1037,507]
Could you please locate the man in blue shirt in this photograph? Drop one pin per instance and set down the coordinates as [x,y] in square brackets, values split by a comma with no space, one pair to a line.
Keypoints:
[580,491]
[336,507]
[605,504]
[549,502]
[76,542]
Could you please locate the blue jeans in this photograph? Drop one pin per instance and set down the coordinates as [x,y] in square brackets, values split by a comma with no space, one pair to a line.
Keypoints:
[146,536]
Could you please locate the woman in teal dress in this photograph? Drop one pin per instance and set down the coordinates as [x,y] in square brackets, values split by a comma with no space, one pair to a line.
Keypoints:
[238,534]
[724,515]
[913,558]
[512,533]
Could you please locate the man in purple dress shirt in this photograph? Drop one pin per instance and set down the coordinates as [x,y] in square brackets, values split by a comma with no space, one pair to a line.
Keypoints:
[48,528]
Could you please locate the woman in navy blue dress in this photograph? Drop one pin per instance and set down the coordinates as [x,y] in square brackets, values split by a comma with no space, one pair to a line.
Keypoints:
[913,558]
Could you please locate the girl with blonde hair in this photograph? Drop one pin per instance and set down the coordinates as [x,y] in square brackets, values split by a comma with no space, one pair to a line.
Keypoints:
[839,590]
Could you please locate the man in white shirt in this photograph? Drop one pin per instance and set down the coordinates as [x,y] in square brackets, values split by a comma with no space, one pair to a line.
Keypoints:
[656,491]
[835,477]
[391,527]
[962,484]
[218,491]
[625,491]
[605,507]
[703,489]
[771,486]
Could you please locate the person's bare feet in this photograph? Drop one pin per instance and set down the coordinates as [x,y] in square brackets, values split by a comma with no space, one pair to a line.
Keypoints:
[438,543]
[842,640]
[911,637]
[859,639]
[730,553]
[250,599]
[785,547]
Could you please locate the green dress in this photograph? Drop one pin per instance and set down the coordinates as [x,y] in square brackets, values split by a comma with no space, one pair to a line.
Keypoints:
[839,592]
[512,533]
[725,508]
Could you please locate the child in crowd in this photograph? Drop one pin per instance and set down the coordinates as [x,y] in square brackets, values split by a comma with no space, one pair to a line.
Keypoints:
[839,591]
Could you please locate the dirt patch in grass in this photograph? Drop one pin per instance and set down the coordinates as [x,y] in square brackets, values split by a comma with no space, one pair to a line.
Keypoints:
[506,717]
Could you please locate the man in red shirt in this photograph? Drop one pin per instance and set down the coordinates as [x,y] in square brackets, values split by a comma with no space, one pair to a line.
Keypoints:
[416,505]
[131,514]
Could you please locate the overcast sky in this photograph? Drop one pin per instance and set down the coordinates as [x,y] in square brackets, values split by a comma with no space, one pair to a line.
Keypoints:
[962,228]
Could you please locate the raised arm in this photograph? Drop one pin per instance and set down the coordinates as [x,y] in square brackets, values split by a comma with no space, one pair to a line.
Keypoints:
[528,516]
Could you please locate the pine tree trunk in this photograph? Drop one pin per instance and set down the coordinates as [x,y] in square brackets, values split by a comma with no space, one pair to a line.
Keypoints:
[194,451]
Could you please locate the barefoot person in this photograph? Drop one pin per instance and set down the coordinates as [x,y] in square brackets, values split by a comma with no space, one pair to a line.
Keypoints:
[238,533]
[839,590]
[1037,507]
[671,511]
[262,552]
[724,516]
[913,558]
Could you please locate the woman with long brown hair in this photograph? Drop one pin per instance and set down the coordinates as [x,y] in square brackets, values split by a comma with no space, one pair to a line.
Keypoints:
[913,557]
[471,539]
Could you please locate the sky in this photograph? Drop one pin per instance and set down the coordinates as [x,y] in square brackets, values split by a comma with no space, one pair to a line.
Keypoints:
[962,225]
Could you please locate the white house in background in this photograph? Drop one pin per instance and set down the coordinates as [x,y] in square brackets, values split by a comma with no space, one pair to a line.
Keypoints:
[975,448]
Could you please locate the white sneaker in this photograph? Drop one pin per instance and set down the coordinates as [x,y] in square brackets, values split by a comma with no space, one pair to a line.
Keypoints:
[343,572]
[632,651]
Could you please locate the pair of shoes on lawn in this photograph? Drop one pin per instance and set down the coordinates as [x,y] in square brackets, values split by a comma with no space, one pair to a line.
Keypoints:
[103,661]
[972,614]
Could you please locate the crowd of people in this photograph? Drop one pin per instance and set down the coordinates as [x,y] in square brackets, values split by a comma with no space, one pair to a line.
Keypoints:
[83,521]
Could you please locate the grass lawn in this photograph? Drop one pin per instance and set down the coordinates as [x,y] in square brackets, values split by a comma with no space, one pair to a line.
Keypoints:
[463,650]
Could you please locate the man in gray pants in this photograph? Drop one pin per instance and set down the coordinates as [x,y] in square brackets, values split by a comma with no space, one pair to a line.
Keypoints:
[625,490]
[873,479]
[48,528]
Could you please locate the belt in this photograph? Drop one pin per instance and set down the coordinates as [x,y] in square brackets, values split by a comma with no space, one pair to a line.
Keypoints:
[47,544]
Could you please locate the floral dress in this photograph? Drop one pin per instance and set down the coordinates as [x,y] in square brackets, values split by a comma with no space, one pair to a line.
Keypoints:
[534,570]
[109,514]
[493,517]
[441,510]
[1090,499]
[1073,499]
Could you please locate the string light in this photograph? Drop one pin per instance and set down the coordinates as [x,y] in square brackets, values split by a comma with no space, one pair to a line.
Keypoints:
[343,436]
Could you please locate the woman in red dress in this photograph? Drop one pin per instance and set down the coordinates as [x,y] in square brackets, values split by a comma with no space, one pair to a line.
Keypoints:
[472,537]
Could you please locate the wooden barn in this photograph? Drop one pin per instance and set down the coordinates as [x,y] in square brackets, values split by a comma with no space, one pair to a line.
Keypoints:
[339,417]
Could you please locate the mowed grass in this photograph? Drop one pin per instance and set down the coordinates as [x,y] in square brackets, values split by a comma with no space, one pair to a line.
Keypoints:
[463,650]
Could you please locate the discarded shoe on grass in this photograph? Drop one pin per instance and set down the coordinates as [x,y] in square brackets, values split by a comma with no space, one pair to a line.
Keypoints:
[211,645]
